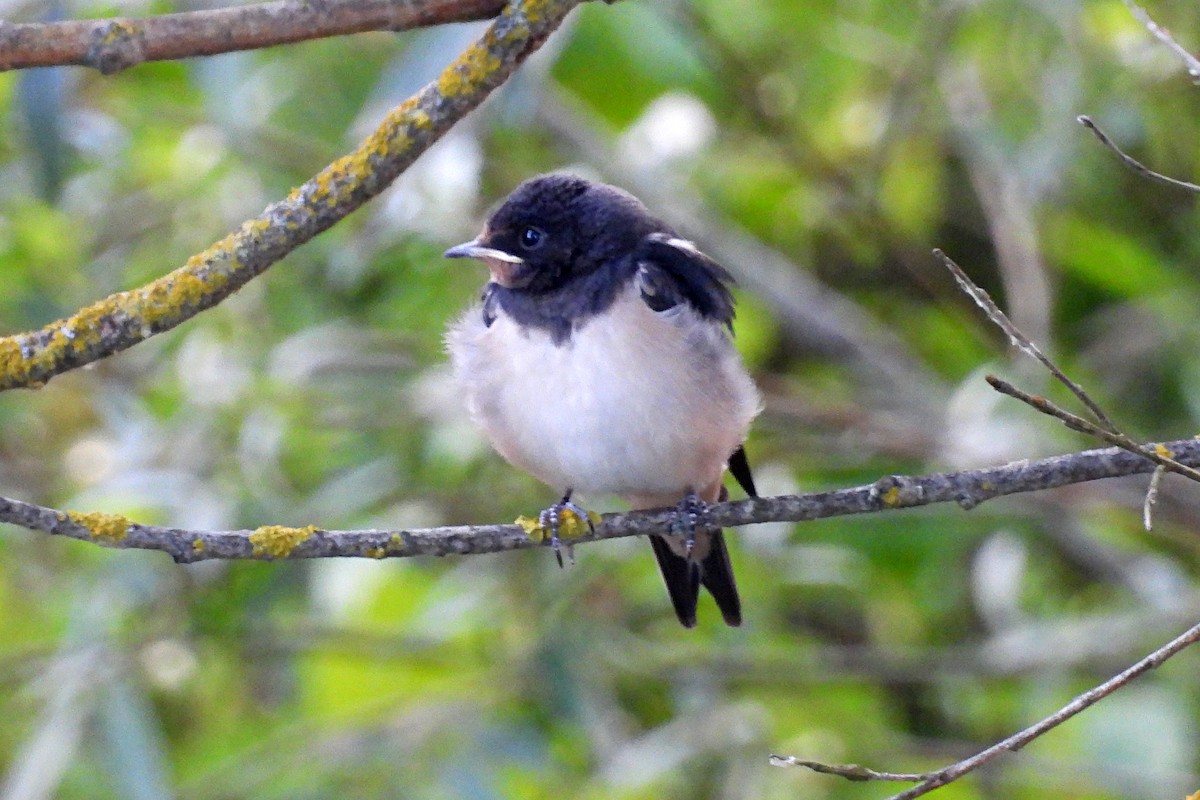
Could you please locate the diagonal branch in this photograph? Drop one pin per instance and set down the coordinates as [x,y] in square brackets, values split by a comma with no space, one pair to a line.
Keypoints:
[1132,162]
[967,488]
[126,318]
[111,45]
[1159,454]
[1190,62]
[1015,337]
[938,778]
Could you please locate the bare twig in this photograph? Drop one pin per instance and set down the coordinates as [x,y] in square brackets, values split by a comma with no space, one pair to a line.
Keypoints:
[126,318]
[1152,498]
[111,45]
[1164,36]
[1022,738]
[968,489]
[1130,161]
[1159,454]
[933,780]
[851,772]
[1018,339]
[1106,430]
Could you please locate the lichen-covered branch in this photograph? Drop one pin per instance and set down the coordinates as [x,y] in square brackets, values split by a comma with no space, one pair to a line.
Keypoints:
[967,488]
[126,318]
[111,45]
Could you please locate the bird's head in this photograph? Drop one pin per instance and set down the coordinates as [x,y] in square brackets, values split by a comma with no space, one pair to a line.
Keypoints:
[551,229]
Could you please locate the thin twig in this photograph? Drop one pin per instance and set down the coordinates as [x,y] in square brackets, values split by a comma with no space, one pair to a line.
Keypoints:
[111,45]
[1164,36]
[937,778]
[1159,454]
[851,772]
[1130,161]
[1018,339]
[1083,701]
[967,488]
[1152,498]
[127,318]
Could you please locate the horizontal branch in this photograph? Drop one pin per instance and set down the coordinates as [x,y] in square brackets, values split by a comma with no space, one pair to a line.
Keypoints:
[966,488]
[126,318]
[111,45]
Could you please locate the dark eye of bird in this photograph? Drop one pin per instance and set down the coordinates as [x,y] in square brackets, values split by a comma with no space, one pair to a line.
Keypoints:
[531,237]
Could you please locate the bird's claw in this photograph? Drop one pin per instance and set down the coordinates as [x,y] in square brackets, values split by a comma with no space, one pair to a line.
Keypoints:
[551,520]
[687,519]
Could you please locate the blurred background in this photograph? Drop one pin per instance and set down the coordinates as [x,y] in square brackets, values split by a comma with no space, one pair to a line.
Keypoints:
[819,150]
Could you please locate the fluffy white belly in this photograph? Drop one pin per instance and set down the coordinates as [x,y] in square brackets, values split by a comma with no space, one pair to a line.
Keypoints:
[638,402]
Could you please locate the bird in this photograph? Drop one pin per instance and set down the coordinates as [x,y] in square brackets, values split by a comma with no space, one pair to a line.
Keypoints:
[599,359]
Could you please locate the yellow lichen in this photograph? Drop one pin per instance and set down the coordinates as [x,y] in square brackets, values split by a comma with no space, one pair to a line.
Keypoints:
[891,498]
[1163,451]
[198,545]
[468,71]
[376,552]
[109,527]
[570,525]
[14,367]
[535,10]
[117,30]
[278,541]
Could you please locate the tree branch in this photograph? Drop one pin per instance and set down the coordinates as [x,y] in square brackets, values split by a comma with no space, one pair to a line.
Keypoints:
[1016,338]
[126,318]
[1159,454]
[938,778]
[1106,430]
[111,45]
[968,488]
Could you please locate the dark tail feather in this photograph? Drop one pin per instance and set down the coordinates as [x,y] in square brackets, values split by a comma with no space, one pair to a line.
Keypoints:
[716,573]
[682,578]
[739,466]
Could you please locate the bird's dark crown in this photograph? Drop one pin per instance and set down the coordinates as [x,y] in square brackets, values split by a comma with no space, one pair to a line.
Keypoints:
[564,228]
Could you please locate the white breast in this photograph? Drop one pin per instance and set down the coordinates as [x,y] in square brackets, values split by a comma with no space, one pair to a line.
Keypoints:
[637,402]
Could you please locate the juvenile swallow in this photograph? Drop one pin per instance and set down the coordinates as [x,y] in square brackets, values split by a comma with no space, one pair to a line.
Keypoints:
[600,359]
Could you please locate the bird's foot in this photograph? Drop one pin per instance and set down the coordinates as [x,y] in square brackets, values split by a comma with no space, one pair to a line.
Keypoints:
[563,520]
[688,518]
[568,519]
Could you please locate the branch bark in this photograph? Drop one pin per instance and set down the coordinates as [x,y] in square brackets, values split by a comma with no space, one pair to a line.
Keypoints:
[968,488]
[111,45]
[126,318]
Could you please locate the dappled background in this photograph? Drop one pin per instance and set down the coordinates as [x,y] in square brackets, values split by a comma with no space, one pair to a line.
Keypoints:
[819,150]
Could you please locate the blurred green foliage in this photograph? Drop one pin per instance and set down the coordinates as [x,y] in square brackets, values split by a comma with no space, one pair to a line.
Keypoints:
[849,138]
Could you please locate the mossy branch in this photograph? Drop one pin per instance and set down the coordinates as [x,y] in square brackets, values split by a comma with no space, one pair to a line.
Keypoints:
[967,488]
[111,45]
[126,318]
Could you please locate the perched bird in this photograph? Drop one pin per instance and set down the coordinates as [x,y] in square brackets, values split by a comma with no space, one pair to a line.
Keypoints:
[600,360]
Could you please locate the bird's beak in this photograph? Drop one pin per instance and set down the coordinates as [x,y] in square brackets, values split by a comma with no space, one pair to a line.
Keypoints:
[473,249]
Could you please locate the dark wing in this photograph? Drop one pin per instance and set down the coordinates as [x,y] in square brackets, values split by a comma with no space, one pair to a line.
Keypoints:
[672,271]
